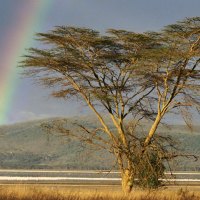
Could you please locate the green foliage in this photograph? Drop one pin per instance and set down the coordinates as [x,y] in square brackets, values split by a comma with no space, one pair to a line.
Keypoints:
[150,170]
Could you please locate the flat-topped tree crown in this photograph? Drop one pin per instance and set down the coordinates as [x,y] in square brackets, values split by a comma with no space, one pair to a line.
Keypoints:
[120,74]
[84,63]
[175,70]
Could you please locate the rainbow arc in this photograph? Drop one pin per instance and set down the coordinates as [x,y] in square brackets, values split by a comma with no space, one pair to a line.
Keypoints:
[17,39]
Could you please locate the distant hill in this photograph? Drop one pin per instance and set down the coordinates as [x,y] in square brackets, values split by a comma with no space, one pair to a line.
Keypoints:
[27,146]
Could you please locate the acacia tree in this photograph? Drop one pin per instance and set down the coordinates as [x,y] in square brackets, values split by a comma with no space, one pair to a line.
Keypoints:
[174,70]
[120,74]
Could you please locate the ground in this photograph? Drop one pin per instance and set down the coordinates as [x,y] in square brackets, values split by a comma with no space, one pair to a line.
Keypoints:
[62,192]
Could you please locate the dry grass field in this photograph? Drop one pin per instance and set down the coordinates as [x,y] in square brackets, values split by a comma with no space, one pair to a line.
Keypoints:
[27,192]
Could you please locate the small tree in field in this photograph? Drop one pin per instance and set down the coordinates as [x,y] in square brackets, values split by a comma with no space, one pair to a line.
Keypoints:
[122,74]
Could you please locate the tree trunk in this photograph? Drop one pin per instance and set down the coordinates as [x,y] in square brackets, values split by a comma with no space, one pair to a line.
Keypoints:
[127,181]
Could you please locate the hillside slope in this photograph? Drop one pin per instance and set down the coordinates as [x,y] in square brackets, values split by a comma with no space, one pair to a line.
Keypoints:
[28,146]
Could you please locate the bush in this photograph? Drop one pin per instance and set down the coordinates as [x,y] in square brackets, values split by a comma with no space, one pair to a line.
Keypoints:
[150,169]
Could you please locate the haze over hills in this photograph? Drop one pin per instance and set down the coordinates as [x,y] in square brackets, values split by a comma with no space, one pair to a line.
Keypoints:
[27,146]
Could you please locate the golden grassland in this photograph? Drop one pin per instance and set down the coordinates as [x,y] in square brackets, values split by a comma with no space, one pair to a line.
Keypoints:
[26,192]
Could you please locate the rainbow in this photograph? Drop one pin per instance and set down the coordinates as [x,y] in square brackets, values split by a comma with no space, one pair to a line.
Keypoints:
[17,39]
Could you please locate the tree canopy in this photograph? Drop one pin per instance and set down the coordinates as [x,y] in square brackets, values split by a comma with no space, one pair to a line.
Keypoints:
[124,74]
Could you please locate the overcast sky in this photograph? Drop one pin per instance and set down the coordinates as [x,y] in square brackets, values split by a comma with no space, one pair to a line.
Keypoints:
[32,101]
